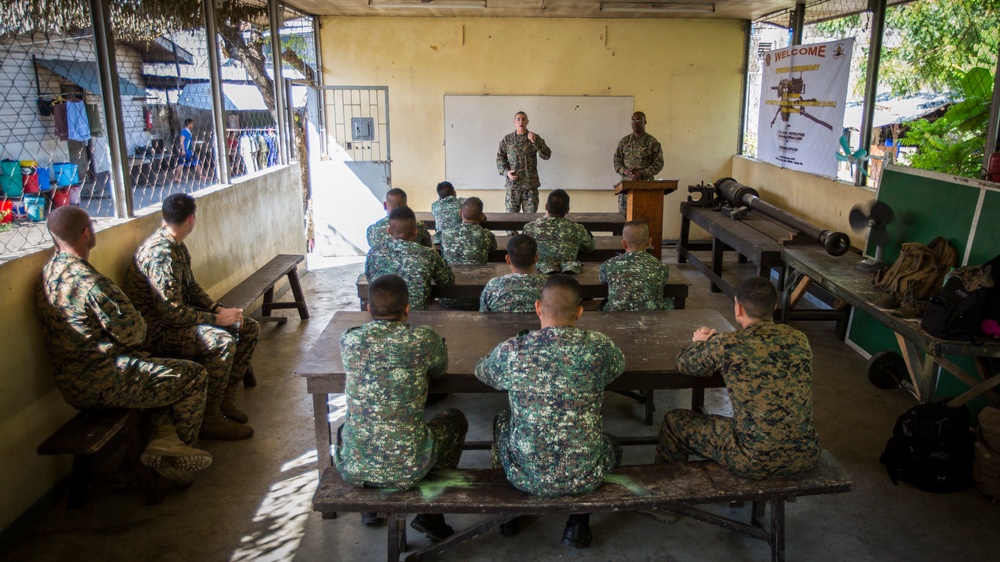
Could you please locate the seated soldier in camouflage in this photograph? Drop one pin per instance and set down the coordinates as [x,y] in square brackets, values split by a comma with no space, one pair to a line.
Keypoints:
[378,232]
[559,239]
[636,278]
[550,441]
[767,368]
[94,336]
[447,210]
[518,290]
[418,265]
[467,244]
[384,441]
[183,320]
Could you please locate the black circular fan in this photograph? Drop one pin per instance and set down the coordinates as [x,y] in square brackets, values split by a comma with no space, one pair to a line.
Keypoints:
[877,215]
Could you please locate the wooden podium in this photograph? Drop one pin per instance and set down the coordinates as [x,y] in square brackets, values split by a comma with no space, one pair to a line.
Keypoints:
[645,202]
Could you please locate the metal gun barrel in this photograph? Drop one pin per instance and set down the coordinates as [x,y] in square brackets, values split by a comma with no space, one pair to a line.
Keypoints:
[836,243]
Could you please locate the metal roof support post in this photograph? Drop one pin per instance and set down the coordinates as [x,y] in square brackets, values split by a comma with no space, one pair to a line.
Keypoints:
[798,22]
[877,8]
[215,74]
[280,100]
[121,183]
[744,84]
[321,109]
[992,133]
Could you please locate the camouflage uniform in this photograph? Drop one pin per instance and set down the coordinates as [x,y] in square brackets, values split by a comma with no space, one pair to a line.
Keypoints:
[519,154]
[384,441]
[559,241]
[466,244]
[93,335]
[768,372]
[644,153]
[447,214]
[178,312]
[550,441]
[378,233]
[417,265]
[635,281]
[514,292]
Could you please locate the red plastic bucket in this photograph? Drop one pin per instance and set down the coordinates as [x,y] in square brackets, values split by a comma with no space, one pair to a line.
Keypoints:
[60,197]
[29,179]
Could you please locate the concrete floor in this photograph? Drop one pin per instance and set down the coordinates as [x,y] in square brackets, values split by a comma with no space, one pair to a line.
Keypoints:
[253,503]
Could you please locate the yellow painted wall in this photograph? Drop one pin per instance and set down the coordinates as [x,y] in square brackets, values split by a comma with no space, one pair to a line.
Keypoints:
[684,74]
[821,201]
[239,228]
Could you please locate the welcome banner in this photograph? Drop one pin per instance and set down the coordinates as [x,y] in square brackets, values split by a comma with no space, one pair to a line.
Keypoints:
[802,98]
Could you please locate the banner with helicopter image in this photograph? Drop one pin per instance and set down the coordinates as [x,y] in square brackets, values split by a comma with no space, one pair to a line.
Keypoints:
[803,93]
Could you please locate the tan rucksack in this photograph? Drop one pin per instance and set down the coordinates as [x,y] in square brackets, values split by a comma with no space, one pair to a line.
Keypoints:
[919,271]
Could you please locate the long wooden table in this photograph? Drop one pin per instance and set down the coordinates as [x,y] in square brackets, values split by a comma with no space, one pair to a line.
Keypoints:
[650,342]
[471,279]
[594,222]
[727,234]
[840,277]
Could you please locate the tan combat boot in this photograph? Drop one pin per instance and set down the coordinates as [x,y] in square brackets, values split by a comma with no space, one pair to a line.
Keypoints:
[169,456]
[229,408]
[218,427]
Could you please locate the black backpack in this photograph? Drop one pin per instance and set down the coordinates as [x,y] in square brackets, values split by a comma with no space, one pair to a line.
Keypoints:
[931,448]
[967,298]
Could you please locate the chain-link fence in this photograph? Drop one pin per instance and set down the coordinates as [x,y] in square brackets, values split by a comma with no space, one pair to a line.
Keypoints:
[55,141]
[935,80]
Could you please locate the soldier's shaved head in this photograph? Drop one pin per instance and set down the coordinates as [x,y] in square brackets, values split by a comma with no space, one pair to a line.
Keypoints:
[66,225]
[388,296]
[561,298]
[758,297]
[472,209]
[395,197]
[522,249]
[636,234]
[403,223]
[444,189]
[558,203]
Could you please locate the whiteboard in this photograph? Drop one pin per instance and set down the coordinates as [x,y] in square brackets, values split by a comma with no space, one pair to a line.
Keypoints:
[582,131]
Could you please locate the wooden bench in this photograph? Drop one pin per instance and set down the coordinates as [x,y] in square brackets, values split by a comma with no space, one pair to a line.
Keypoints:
[262,282]
[666,488]
[87,437]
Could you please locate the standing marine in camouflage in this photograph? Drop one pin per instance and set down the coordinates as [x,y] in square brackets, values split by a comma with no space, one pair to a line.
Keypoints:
[447,210]
[517,162]
[184,320]
[639,156]
[767,368]
[384,441]
[94,334]
[636,278]
[468,244]
[550,441]
[378,232]
[518,290]
[559,239]
[418,265]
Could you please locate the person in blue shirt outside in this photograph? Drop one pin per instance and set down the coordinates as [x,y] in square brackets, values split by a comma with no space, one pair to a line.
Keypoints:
[188,158]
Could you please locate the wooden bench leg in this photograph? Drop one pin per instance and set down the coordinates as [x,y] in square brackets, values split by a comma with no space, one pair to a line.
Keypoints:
[718,247]
[757,514]
[650,405]
[134,445]
[79,478]
[698,400]
[249,377]
[300,299]
[776,534]
[396,523]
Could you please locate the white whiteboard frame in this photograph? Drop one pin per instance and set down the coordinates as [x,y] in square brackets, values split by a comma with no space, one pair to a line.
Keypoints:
[582,131]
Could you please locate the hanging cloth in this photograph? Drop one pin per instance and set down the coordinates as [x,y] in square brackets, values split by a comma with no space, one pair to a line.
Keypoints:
[62,128]
[76,119]
[94,116]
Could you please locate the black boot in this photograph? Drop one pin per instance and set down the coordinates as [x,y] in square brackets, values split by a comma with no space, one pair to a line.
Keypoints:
[577,532]
[433,526]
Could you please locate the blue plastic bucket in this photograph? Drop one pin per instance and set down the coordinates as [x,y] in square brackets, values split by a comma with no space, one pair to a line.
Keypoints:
[10,178]
[66,173]
[34,206]
[44,184]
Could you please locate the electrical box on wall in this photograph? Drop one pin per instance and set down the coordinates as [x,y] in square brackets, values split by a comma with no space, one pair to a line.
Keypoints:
[362,128]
